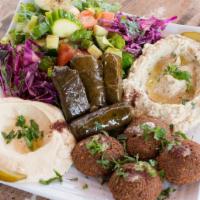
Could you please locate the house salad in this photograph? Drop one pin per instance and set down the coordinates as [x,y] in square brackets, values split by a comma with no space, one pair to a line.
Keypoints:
[86,84]
[49,33]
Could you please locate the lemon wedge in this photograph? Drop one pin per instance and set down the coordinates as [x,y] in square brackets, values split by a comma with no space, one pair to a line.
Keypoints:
[192,35]
[10,176]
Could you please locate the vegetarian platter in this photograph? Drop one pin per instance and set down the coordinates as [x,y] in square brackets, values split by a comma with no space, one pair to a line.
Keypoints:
[99,104]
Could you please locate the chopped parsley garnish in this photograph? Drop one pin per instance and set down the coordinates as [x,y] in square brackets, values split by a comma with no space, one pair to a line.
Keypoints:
[30,133]
[58,178]
[181,135]
[122,139]
[99,126]
[165,194]
[85,186]
[95,147]
[120,172]
[159,133]
[145,166]
[152,162]
[178,74]
[161,174]
[106,164]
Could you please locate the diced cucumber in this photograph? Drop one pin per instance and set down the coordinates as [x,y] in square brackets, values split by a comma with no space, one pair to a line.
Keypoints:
[103,42]
[114,51]
[52,42]
[64,28]
[100,31]
[95,51]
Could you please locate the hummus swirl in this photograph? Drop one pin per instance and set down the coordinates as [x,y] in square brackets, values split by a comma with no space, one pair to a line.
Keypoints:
[166,79]
[53,152]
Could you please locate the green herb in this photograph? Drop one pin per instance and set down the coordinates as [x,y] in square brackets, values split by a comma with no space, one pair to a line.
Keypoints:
[95,147]
[127,61]
[119,163]
[161,174]
[117,41]
[50,72]
[106,164]
[121,173]
[17,37]
[193,105]
[122,139]
[58,178]
[30,133]
[152,162]
[26,11]
[8,137]
[159,133]
[85,186]
[145,166]
[21,121]
[83,37]
[178,74]
[165,194]
[99,126]
[46,63]
[73,179]
[40,30]
[81,34]
[181,135]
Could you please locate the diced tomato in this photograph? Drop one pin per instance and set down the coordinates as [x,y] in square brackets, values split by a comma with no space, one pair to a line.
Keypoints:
[87,19]
[65,54]
[106,15]
[86,13]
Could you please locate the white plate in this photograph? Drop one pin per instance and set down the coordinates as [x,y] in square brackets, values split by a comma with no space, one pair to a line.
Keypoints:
[70,190]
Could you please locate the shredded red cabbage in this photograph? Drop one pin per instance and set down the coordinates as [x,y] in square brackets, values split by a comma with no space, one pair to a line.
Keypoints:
[137,31]
[20,75]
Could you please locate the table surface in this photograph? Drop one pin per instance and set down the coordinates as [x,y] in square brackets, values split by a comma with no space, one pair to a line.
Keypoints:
[187,12]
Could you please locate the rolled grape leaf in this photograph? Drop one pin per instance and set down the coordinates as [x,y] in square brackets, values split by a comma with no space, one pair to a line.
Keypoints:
[105,119]
[91,75]
[112,70]
[71,92]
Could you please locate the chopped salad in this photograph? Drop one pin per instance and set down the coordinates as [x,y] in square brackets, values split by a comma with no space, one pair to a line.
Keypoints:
[52,34]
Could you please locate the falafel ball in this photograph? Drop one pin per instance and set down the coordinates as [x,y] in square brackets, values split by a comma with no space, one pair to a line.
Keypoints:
[135,185]
[181,164]
[92,156]
[146,148]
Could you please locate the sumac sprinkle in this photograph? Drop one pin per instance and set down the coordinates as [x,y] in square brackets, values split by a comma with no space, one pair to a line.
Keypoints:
[59,126]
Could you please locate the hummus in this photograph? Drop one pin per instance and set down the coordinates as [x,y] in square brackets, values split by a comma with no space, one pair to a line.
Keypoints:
[54,149]
[164,82]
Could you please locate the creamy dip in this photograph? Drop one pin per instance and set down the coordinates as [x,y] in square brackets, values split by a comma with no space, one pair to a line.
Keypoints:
[51,152]
[166,79]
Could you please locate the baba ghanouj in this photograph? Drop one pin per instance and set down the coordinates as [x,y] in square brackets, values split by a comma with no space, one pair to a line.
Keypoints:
[165,82]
